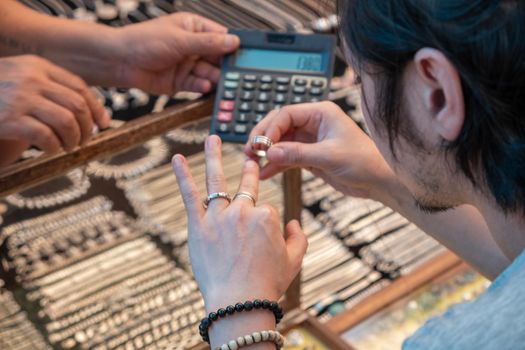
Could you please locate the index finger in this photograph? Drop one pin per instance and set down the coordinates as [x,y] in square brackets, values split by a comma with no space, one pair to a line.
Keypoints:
[188,189]
[65,78]
[207,25]
[306,117]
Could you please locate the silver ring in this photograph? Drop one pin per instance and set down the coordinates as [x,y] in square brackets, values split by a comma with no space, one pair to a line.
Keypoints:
[216,195]
[260,145]
[245,195]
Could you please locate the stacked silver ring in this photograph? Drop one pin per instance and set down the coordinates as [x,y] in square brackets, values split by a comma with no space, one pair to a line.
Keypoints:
[260,145]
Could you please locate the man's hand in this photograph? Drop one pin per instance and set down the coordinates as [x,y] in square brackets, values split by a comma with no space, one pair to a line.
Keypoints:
[322,138]
[45,106]
[172,53]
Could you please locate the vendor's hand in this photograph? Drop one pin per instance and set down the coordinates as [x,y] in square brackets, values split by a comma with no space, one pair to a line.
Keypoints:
[323,139]
[44,105]
[238,252]
[173,53]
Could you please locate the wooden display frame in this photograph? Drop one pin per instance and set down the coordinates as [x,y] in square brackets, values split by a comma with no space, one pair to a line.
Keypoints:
[29,173]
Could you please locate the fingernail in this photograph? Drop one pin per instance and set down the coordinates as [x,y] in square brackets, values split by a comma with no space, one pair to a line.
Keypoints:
[231,42]
[177,160]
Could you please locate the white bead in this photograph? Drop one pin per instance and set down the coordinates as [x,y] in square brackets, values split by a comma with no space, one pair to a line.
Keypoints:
[248,339]
[265,336]
[256,337]
[241,341]
[224,347]
[233,345]
[271,335]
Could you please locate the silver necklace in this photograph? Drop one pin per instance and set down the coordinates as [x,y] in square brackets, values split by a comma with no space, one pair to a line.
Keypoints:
[78,187]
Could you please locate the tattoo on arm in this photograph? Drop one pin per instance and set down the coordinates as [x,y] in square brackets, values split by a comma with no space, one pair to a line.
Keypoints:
[20,47]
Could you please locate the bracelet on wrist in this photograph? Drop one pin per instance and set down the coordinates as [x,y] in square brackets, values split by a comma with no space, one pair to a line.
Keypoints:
[257,304]
[254,338]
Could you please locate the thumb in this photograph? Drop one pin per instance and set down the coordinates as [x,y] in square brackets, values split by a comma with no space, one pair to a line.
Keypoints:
[296,244]
[204,44]
[296,154]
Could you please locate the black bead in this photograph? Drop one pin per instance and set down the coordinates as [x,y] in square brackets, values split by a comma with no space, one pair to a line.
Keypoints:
[274,306]
[257,304]
[205,322]
[221,313]
[239,307]
[230,310]
[213,316]
[248,306]
[266,304]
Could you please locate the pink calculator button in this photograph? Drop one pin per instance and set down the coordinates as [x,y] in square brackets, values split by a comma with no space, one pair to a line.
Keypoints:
[224,117]
[227,105]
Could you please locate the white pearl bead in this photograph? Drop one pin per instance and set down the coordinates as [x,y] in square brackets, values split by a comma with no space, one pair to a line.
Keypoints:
[233,345]
[224,347]
[241,341]
[248,339]
[271,335]
[256,337]
[265,336]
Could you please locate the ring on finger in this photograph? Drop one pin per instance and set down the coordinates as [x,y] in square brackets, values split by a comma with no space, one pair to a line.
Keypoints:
[260,145]
[216,195]
[248,195]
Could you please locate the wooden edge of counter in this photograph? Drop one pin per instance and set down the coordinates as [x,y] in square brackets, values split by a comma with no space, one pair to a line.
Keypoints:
[390,294]
[32,172]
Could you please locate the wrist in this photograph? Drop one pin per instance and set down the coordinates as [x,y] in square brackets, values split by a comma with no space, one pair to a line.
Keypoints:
[91,51]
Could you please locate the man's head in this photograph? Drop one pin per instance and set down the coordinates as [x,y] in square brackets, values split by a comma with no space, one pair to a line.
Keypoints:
[444,93]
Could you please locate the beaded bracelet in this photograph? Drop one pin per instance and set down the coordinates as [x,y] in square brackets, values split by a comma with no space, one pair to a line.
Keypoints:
[254,338]
[257,304]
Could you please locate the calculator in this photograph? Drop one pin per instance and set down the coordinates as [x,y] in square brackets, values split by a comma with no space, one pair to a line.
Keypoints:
[268,71]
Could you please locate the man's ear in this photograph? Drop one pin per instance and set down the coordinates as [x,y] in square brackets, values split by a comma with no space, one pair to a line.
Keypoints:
[443,96]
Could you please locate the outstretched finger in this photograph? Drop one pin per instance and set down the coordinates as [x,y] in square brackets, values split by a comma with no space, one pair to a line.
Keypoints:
[249,186]
[188,189]
[215,180]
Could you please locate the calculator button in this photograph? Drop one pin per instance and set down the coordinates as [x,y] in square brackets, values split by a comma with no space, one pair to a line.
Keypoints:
[223,128]
[277,106]
[231,84]
[283,80]
[280,98]
[241,129]
[263,97]
[259,117]
[245,107]
[315,91]
[314,99]
[265,87]
[247,96]
[297,99]
[248,86]
[224,117]
[317,82]
[299,90]
[227,105]
[266,79]
[261,107]
[243,117]
[300,82]
[281,88]
[229,95]
[250,77]
[233,76]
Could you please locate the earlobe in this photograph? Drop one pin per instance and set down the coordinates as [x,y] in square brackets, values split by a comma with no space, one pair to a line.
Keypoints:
[444,95]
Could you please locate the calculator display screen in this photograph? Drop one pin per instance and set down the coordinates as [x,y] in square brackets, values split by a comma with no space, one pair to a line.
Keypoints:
[280,60]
